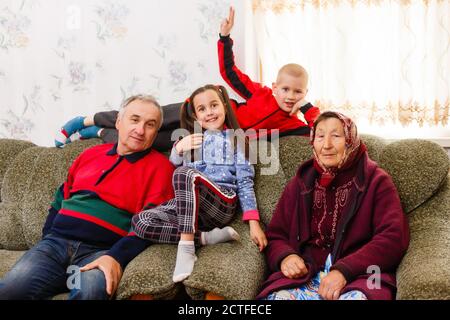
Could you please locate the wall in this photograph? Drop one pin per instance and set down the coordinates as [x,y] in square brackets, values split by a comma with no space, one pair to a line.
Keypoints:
[62,58]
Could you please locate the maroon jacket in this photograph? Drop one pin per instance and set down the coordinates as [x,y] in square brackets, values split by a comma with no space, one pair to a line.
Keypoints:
[373,231]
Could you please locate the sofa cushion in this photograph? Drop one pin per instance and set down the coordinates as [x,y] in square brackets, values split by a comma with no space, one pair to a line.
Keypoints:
[28,187]
[9,149]
[150,273]
[8,259]
[11,234]
[375,146]
[418,168]
[48,172]
[14,189]
[233,270]
[269,179]
[293,150]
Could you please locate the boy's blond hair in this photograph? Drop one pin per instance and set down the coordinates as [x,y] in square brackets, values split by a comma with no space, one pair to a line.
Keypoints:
[294,70]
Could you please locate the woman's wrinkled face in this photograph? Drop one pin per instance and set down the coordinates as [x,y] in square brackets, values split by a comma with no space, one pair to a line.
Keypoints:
[329,142]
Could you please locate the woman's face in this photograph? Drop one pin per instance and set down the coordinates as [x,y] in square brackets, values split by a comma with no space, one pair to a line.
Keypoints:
[329,142]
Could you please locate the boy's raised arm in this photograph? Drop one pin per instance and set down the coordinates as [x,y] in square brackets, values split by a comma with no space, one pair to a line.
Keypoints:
[238,81]
[227,24]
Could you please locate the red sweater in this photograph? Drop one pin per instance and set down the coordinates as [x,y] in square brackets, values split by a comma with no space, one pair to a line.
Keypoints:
[373,231]
[103,191]
[261,110]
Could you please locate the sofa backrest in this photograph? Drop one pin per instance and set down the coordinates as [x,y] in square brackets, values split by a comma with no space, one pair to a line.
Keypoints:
[290,152]
[418,168]
[29,176]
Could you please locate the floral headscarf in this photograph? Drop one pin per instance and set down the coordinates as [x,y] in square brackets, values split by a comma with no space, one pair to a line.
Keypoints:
[354,148]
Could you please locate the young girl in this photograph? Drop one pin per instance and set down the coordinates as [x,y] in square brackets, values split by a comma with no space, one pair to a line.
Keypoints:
[206,189]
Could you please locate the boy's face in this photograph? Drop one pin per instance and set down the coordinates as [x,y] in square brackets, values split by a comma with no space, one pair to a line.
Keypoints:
[288,90]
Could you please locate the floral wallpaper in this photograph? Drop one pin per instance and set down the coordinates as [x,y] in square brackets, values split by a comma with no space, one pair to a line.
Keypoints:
[61,58]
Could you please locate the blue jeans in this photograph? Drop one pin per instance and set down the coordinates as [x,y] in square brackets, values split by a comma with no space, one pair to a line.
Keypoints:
[41,273]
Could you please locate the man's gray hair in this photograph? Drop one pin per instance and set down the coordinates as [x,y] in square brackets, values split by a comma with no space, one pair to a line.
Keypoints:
[141,97]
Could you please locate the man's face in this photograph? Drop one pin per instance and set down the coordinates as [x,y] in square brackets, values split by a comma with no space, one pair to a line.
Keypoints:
[137,127]
[288,90]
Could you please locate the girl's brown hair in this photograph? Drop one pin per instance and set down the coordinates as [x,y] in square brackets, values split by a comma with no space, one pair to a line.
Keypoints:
[187,111]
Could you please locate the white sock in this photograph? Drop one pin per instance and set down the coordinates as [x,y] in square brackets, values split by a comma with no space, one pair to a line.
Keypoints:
[185,261]
[218,235]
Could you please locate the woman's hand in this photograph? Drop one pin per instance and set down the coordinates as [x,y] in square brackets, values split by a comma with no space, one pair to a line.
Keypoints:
[257,234]
[227,24]
[293,266]
[331,285]
[190,142]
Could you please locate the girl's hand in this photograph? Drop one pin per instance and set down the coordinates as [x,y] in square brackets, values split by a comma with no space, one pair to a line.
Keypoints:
[227,24]
[293,266]
[257,234]
[190,142]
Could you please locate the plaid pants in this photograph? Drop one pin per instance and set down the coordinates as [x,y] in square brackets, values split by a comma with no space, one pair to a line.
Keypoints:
[199,205]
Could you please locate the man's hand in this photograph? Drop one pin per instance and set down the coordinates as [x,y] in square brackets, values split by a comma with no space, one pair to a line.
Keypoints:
[293,267]
[190,142]
[112,270]
[331,285]
[227,24]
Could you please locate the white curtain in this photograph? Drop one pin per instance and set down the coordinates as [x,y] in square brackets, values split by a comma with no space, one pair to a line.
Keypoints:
[385,62]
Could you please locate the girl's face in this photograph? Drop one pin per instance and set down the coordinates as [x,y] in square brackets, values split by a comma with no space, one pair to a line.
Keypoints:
[209,110]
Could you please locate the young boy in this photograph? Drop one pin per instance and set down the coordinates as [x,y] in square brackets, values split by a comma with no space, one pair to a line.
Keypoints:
[266,108]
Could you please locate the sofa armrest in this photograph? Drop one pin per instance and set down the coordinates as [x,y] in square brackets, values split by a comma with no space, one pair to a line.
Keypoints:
[233,270]
[425,270]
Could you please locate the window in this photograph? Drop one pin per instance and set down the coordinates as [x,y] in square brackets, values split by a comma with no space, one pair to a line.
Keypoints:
[384,63]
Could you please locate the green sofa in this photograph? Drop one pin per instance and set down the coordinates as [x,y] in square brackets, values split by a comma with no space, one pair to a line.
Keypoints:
[30,174]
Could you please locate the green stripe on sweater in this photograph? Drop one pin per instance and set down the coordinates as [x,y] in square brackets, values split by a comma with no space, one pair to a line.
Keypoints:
[58,198]
[93,206]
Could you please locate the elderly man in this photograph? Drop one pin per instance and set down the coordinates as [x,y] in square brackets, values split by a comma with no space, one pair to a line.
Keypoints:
[87,229]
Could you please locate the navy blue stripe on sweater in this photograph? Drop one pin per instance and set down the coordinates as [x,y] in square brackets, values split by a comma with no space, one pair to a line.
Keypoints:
[127,248]
[123,249]
[83,230]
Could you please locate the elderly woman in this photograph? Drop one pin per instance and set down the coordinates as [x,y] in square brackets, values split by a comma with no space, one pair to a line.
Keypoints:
[339,206]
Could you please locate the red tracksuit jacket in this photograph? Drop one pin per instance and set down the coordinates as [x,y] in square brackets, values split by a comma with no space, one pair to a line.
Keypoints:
[260,111]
